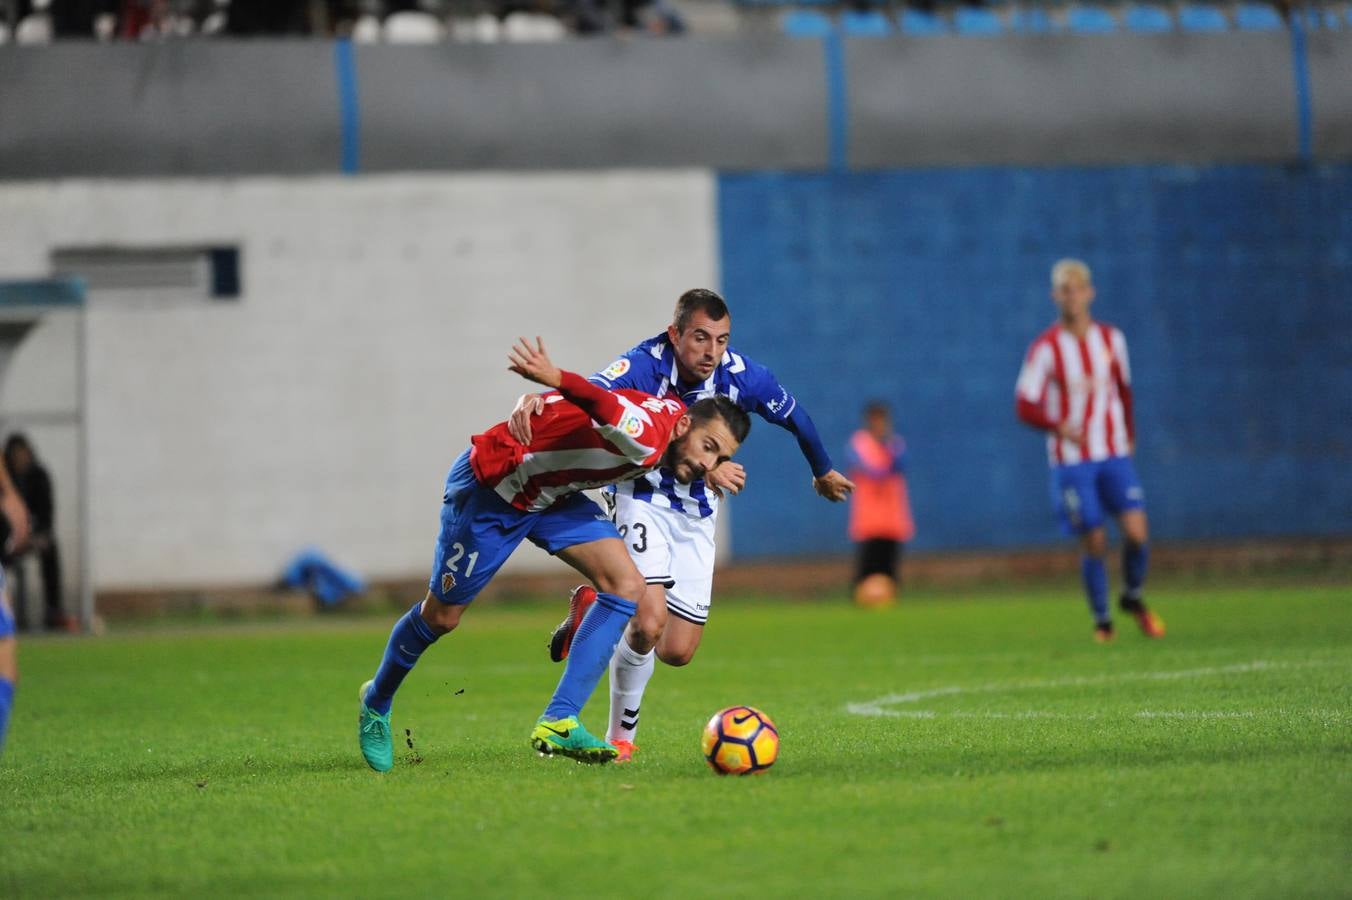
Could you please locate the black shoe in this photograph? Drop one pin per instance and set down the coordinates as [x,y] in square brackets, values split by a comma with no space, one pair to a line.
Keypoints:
[1130,605]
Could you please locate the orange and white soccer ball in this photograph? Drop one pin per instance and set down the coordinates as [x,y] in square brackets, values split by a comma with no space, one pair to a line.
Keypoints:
[740,740]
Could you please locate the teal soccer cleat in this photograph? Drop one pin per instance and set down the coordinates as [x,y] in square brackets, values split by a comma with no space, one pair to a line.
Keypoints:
[373,734]
[567,737]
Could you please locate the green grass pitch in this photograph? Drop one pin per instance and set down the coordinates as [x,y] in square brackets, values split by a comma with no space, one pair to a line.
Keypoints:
[958,746]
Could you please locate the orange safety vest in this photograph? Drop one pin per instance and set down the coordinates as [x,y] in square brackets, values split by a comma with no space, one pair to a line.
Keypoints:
[879,507]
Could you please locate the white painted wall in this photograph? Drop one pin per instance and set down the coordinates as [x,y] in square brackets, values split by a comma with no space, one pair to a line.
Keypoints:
[325,406]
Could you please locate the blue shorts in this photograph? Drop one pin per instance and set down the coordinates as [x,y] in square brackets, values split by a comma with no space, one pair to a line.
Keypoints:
[479,530]
[1084,494]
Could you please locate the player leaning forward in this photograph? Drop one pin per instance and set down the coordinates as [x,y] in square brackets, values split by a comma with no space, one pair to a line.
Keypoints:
[668,522]
[500,492]
[1076,386]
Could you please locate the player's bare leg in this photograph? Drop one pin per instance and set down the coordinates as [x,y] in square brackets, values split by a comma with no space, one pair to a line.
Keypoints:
[9,659]
[679,642]
[1135,557]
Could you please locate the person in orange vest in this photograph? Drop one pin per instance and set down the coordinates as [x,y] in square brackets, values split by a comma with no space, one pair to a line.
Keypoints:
[880,508]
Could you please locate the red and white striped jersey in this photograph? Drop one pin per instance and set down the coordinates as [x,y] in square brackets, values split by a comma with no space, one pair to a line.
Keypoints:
[1086,381]
[586,437]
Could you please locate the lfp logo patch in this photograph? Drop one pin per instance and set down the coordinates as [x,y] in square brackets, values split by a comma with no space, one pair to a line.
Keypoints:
[615,369]
[631,425]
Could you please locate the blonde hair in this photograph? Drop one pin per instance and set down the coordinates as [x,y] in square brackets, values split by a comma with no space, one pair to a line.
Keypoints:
[1069,265]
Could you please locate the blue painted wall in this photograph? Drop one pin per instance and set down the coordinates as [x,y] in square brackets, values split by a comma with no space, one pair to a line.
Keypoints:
[924,288]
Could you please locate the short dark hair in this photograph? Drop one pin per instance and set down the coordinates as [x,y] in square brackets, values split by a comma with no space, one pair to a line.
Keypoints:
[698,300]
[739,423]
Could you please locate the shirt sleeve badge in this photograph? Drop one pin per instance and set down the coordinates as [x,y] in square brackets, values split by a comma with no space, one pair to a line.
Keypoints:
[615,369]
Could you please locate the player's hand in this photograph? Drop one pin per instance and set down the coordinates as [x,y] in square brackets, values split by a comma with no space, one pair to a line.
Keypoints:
[1069,430]
[533,363]
[518,424]
[726,476]
[833,486]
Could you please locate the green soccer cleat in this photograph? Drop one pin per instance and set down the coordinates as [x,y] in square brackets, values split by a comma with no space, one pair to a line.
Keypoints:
[568,737]
[373,734]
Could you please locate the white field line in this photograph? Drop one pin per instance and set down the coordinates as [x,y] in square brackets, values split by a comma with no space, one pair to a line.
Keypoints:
[885,706]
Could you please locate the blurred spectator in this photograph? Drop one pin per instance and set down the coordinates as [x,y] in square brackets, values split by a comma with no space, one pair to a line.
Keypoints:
[267,17]
[34,487]
[880,508]
[35,27]
[413,27]
[75,18]
[656,17]
[533,22]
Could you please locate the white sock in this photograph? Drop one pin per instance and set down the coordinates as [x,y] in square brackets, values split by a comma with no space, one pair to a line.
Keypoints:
[629,674]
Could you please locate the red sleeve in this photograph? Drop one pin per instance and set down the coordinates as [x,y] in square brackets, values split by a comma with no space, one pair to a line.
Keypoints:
[596,402]
[1124,390]
[1031,413]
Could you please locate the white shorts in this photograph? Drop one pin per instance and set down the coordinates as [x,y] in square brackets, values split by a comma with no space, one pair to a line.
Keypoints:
[672,549]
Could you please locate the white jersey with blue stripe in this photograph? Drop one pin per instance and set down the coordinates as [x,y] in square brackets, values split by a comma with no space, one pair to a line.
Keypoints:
[651,367]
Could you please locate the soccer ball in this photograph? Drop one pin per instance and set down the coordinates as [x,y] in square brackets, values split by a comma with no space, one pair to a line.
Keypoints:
[740,740]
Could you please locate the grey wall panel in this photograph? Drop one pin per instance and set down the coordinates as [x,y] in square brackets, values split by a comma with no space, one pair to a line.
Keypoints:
[1330,58]
[180,108]
[273,107]
[601,103]
[1088,99]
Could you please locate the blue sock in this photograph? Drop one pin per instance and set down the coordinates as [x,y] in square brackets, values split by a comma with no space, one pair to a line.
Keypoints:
[590,654]
[6,702]
[1135,560]
[409,638]
[1095,575]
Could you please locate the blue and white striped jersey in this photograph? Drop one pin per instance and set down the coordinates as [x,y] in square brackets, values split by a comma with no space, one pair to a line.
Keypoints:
[651,367]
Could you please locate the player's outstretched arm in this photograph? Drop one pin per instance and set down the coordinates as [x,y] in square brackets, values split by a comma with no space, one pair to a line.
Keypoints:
[533,363]
[833,486]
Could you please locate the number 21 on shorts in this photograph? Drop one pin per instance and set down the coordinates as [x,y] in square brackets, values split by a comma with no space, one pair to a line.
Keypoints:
[453,566]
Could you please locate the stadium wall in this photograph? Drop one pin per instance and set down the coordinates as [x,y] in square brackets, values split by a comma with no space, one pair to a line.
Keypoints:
[924,288]
[302,107]
[325,405]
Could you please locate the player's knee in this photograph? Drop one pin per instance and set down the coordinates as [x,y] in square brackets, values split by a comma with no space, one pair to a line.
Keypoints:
[629,585]
[440,617]
[650,623]
[1095,542]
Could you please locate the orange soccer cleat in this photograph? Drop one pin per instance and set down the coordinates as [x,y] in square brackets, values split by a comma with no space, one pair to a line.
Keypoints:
[624,750]
[1103,633]
[561,641]
[1152,626]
